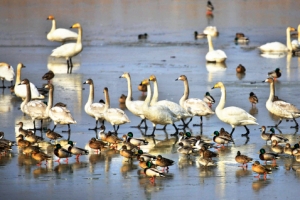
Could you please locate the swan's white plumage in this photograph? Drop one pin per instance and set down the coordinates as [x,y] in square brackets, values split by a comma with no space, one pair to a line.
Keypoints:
[232,115]
[214,55]
[20,90]
[277,47]
[296,43]
[60,34]
[6,72]
[61,115]
[211,30]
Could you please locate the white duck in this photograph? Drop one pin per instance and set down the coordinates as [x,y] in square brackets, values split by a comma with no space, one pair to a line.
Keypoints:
[60,34]
[157,114]
[70,50]
[59,113]
[280,108]
[6,73]
[232,115]
[211,30]
[195,106]
[276,47]
[20,90]
[114,116]
[212,55]
[135,107]
[36,109]
[95,110]
[178,110]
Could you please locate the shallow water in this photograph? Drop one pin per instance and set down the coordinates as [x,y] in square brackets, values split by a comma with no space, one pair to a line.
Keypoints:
[110,30]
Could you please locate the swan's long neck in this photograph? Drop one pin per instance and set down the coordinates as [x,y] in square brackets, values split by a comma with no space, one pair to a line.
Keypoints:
[79,35]
[210,44]
[288,39]
[53,25]
[148,97]
[50,99]
[27,98]
[155,93]
[222,100]
[91,95]
[129,93]
[298,33]
[186,93]
[107,101]
[18,76]
[272,91]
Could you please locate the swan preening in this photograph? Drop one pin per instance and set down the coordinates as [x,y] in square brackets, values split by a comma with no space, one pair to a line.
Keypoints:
[194,106]
[157,114]
[277,47]
[135,107]
[114,116]
[212,55]
[95,110]
[20,90]
[6,73]
[60,34]
[281,108]
[232,115]
[69,50]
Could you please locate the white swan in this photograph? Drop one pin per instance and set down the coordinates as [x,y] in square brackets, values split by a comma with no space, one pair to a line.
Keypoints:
[296,43]
[59,114]
[211,30]
[135,107]
[178,110]
[70,50]
[281,108]
[214,55]
[157,114]
[277,47]
[95,110]
[232,115]
[6,73]
[36,109]
[60,34]
[20,90]
[195,106]
[114,116]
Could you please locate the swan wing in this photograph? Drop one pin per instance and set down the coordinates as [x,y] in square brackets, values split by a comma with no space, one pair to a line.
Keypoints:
[64,50]
[175,108]
[61,115]
[116,116]
[62,34]
[284,109]
[95,109]
[136,107]
[21,91]
[197,107]
[7,72]
[35,108]
[236,116]
[273,47]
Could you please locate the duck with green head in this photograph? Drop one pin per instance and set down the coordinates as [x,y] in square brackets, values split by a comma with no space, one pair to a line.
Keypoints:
[268,156]
[146,164]
[153,173]
[61,153]
[146,156]
[277,137]
[275,74]
[221,140]
[76,150]
[136,141]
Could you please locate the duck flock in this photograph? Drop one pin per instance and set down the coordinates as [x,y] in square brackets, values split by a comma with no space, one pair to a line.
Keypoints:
[151,110]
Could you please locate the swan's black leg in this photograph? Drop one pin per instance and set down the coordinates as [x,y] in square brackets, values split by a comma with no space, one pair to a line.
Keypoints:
[296,126]
[247,133]
[200,122]
[232,131]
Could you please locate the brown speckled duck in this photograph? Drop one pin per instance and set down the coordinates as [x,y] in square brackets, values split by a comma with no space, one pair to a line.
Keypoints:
[243,159]
[240,69]
[260,169]
[253,99]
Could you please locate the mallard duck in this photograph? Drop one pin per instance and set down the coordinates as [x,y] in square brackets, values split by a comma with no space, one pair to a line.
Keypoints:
[185,150]
[97,144]
[241,38]
[22,131]
[253,99]
[143,36]
[221,140]
[6,141]
[288,149]
[232,115]
[122,98]
[260,169]
[146,156]
[136,141]
[296,150]
[275,74]
[276,147]
[163,162]
[268,156]
[111,138]
[240,69]
[48,76]
[61,153]
[208,99]
[277,137]
[207,154]
[186,142]
[76,150]
[206,162]
[152,172]
[243,159]
[145,164]
[265,136]
[40,157]
[129,145]
[28,150]
[21,142]
[199,35]
[52,135]
[127,153]
[223,132]
[209,8]
[33,138]
[142,88]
